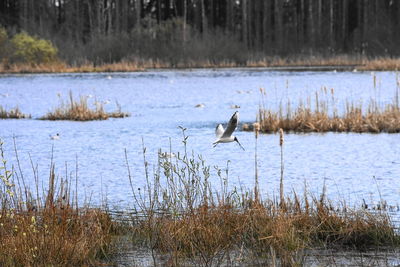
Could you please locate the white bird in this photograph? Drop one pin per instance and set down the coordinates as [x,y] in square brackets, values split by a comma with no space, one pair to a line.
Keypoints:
[225,135]
[165,155]
[55,137]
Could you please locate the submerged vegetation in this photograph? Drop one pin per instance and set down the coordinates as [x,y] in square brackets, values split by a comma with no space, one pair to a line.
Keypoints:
[14,113]
[80,111]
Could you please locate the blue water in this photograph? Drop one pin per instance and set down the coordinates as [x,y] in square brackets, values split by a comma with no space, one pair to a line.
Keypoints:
[353,166]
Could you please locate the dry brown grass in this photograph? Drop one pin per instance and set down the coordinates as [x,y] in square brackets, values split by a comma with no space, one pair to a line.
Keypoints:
[382,63]
[79,111]
[53,236]
[324,116]
[185,219]
[263,230]
[47,228]
[301,62]
[14,113]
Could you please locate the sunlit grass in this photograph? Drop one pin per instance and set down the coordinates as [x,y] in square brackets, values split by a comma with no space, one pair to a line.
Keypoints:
[80,111]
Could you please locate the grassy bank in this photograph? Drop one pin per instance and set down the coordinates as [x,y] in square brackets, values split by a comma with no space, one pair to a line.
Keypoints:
[80,111]
[342,62]
[322,115]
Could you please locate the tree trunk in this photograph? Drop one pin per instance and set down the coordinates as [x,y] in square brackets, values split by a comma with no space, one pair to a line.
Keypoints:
[265,24]
[184,22]
[138,9]
[278,24]
[229,16]
[344,23]
[203,18]
[159,11]
[244,22]
[117,16]
[331,24]
[301,24]
[311,31]
[319,26]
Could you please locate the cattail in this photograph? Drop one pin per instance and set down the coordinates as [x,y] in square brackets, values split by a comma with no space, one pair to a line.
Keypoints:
[281,140]
[256,127]
[374,77]
[282,197]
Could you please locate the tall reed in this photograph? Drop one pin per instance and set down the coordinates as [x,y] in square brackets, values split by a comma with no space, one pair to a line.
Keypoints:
[186,218]
[47,228]
[324,117]
[281,195]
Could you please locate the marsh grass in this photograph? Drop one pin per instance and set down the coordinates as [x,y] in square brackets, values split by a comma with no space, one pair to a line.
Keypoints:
[322,115]
[45,227]
[348,62]
[14,113]
[182,216]
[185,218]
[80,111]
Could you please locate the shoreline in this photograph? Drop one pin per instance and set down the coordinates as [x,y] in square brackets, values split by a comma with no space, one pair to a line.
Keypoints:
[339,63]
[315,68]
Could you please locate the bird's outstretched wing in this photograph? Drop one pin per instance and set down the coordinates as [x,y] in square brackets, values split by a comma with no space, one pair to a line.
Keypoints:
[231,125]
[219,130]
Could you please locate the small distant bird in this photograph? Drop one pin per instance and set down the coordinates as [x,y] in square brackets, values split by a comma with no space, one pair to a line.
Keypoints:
[165,155]
[199,106]
[225,135]
[235,106]
[55,137]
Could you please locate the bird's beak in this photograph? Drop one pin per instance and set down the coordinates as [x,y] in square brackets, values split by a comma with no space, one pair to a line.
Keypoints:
[239,144]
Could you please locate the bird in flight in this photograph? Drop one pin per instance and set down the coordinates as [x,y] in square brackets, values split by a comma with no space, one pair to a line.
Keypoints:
[225,135]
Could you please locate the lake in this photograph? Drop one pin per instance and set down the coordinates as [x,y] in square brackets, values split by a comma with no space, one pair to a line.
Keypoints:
[353,166]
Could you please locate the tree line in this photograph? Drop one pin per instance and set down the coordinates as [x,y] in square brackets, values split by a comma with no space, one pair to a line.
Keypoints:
[110,30]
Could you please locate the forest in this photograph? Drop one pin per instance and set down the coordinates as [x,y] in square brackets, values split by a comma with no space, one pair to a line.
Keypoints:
[179,31]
